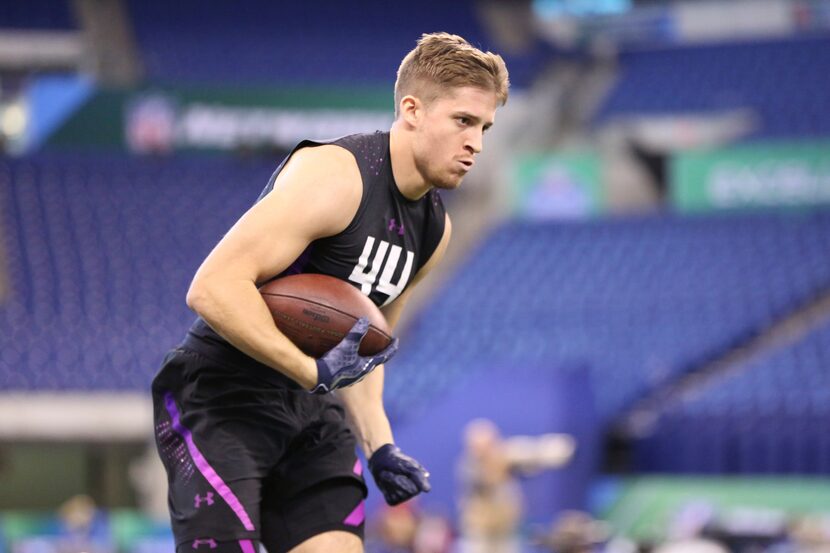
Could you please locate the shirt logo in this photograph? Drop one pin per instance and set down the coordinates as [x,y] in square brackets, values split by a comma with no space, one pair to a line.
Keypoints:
[393,225]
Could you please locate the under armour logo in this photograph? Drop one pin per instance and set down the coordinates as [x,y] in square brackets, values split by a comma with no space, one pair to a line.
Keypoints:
[209,541]
[208,498]
[393,225]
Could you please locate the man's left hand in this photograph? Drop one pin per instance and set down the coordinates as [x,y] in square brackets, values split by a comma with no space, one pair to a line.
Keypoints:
[399,476]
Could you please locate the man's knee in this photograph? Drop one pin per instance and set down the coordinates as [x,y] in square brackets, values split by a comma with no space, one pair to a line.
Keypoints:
[342,542]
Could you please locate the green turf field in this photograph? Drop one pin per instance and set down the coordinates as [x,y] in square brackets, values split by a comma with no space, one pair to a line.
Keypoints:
[644,506]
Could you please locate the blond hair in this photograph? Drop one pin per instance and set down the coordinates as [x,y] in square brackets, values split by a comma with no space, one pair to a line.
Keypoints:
[441,61]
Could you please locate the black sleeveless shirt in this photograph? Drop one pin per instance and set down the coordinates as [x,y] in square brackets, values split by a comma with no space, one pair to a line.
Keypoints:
[389,239]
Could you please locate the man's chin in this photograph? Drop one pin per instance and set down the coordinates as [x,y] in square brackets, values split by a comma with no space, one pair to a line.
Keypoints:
[449,184]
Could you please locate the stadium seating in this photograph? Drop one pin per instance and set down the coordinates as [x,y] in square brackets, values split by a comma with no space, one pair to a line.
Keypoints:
[779,80]
[100,253]
[37,15]
[639,301]
[259,42]
[768,416]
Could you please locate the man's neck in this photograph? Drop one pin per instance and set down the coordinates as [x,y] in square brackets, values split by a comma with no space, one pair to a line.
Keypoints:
[409,180]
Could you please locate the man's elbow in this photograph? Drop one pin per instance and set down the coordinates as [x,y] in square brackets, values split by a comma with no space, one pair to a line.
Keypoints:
[198,297]
[212,295]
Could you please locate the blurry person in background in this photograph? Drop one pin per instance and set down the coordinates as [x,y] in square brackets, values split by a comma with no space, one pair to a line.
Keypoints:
[491,503]
[395,530]
[809,534]
[405,529]
[82,526]
[434,534]
[576,532]
[690,530]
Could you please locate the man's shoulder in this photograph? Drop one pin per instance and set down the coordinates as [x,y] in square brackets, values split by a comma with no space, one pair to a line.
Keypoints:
[362,140]
[327,163]
[325,155]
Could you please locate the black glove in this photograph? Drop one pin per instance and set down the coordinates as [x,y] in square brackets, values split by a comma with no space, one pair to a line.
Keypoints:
[399,476]
[343,366]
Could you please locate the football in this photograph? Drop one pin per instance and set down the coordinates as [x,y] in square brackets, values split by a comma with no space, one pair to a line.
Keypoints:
[316,311]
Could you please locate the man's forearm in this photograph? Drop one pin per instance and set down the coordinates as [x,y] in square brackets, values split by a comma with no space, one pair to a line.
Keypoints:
[364,405]
[398,476]
[236,311]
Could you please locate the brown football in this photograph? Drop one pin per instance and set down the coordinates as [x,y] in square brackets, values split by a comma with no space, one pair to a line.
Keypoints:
[316,311]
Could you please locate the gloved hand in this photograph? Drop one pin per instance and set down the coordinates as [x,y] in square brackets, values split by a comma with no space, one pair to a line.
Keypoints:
[399,476]
[343,366]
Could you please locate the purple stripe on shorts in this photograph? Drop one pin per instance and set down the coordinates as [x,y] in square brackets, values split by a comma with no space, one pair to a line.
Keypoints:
[356,517]
[247,546]
[358,468]
[201,463]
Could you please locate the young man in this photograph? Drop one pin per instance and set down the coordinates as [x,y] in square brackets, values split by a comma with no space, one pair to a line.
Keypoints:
[251,455]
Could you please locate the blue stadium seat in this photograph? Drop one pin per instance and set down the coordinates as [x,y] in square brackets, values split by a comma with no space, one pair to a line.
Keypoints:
[100,254]
[775,409]
[292,44]
[780,80]
[640,301]
[37,15]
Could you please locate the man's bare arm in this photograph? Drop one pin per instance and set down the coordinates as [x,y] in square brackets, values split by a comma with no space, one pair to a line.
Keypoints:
[317,194]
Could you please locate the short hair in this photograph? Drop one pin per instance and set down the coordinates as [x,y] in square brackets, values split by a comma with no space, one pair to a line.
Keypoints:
[441,61]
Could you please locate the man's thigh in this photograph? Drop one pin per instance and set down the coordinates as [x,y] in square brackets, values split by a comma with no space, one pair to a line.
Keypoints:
[214,449]
[328,516]
[342,542]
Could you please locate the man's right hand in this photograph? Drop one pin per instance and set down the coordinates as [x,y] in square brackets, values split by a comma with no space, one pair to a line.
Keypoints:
[343,366]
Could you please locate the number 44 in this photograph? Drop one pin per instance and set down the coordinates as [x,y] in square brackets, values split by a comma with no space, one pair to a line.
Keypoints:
[365,276]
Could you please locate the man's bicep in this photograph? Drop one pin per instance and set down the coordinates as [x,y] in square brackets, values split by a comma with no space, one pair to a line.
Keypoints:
[316,195]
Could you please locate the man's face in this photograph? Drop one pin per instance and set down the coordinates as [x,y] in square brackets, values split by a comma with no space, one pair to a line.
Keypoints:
[450,134]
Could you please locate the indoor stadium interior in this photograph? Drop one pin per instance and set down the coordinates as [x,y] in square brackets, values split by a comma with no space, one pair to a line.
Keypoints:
[634,306]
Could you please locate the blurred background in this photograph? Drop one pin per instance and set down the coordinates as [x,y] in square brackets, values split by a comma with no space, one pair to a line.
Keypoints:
[635,308]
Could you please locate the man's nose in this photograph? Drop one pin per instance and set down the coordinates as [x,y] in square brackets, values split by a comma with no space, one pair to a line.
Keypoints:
[474,142]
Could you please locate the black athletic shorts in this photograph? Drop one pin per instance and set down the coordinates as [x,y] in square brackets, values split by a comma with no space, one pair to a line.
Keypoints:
[250,455]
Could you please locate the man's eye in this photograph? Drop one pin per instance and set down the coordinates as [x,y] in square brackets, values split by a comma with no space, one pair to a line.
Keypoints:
[464,120]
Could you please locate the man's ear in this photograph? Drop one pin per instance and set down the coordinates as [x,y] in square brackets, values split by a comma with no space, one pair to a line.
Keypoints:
[411,110]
